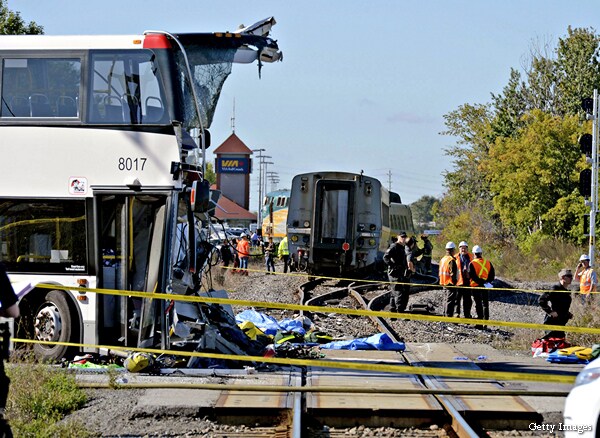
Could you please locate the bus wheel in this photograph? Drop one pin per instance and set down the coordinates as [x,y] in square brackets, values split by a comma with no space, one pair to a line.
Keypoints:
[53,322]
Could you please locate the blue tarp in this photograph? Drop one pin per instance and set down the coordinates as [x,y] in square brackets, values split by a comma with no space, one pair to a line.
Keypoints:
[380,341]
[555,357]
[268,324]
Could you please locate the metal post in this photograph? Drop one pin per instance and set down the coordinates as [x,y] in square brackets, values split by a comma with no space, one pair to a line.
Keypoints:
[272,176]
[259,212]
[266,163]
[594,207]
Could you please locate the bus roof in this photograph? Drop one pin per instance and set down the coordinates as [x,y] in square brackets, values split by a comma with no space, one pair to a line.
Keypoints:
[70,42]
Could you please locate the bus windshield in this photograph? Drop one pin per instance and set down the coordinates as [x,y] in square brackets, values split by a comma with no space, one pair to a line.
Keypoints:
[210,58]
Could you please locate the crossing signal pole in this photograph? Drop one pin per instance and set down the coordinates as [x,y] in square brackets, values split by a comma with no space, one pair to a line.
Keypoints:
[588,179]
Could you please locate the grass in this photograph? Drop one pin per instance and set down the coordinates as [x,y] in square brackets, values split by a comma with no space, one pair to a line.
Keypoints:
[39,398]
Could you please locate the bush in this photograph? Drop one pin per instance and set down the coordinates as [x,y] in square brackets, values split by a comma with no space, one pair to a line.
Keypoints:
[39,398]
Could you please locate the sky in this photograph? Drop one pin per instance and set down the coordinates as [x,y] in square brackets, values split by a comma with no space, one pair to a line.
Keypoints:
[363,85]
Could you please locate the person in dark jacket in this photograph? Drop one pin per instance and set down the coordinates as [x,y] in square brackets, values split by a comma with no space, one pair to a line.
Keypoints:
[556,304]
[427,253]
[9,308]
[396,260]
[8,300]
[226,253]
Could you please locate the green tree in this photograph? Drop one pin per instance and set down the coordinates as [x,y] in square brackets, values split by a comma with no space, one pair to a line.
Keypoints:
[509,106]
[471,126]
[515,163]
[210,174]
[531,172]
[578,68]
[422,209]
[11,23]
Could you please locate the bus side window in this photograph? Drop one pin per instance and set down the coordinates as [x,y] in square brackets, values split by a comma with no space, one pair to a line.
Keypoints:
[33,87]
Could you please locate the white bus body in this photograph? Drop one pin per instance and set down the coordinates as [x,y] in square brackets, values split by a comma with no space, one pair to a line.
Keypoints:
[102,139]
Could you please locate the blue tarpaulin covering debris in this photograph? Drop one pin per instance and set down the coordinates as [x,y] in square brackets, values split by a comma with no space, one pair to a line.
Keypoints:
[268,324]
[380,341]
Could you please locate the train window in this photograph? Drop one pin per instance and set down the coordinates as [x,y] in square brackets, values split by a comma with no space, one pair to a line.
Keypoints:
[280,201]
[334,214]
[385,215]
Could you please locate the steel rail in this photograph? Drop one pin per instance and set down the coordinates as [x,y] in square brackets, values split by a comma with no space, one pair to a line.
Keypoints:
[325,389]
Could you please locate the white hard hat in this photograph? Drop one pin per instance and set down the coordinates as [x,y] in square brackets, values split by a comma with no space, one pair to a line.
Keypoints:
[243,235]
[450,245]
[584,257]
[477,250]
[463,243]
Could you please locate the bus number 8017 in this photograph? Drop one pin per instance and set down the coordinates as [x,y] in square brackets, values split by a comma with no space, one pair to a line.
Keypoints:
[132,163]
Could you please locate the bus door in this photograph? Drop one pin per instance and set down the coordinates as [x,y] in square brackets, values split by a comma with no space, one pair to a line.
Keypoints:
[333,221]
[131,236]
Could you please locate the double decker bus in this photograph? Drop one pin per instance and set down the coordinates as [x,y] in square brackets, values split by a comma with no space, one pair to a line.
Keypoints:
[103,144]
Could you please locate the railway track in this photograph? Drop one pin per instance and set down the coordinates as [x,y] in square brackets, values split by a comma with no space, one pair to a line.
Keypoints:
[456,419]
[299,401]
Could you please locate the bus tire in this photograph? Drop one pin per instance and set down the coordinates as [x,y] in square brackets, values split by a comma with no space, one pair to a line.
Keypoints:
[53,320]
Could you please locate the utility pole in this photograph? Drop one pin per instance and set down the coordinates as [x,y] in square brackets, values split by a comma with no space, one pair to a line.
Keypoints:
[266,163]
[594,205]
[273,179]
[588,178]
[259,212]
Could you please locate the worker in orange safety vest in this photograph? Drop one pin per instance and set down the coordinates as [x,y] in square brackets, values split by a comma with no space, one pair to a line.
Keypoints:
[448,274]
[588,280]
[243,249]
[481,275]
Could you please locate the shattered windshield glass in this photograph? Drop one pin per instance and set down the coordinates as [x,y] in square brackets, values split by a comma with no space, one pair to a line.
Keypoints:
[210,58]
[209,68]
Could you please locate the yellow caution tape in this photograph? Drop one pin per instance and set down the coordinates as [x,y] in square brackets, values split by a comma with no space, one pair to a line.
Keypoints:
[400,369]
[323,309]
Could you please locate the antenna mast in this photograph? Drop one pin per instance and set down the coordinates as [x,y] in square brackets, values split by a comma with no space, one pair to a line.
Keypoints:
[233,117]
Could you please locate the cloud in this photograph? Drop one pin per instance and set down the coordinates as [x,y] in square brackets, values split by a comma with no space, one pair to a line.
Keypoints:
[410,118]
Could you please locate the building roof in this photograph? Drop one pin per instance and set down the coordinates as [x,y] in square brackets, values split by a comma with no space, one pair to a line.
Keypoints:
[233,145]
[234,211]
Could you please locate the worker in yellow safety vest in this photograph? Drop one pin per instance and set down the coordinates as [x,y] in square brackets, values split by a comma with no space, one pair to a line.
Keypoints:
[481,275]
[588,280]
[283,252]
[448,274]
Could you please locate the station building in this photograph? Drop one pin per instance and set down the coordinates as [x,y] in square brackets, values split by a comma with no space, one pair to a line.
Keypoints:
[233,166]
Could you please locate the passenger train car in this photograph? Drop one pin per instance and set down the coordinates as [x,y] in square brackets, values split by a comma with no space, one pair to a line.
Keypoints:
[342,222]
[274,214]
